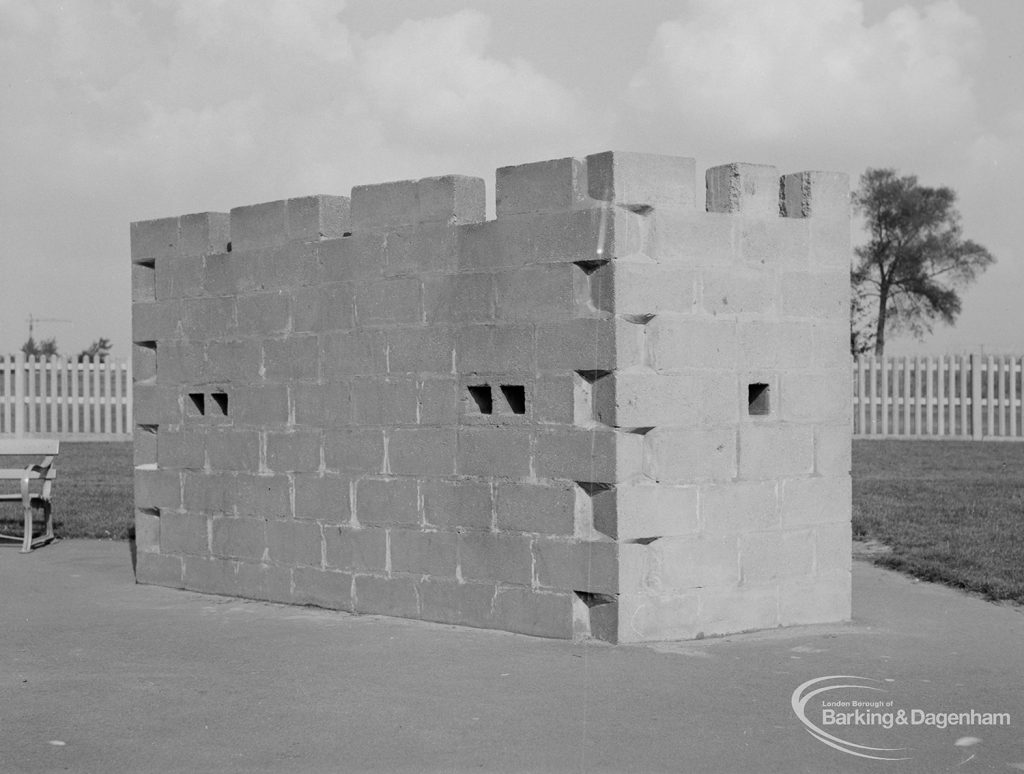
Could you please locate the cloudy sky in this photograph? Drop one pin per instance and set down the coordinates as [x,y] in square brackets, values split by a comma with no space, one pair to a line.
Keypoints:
[122,110]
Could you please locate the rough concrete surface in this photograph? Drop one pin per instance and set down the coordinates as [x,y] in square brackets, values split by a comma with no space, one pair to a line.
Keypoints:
[102,675]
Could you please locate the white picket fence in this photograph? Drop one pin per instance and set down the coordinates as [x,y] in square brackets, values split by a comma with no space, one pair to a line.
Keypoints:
[61,398]
[969,397]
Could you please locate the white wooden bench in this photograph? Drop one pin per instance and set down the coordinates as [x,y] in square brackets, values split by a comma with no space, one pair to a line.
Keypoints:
[34,484]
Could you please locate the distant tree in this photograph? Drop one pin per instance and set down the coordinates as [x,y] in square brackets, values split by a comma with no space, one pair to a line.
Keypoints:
[98,351]
[915,261]
[45,348]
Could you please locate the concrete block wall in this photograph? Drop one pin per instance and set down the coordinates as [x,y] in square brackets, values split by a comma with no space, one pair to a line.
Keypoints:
[617,410]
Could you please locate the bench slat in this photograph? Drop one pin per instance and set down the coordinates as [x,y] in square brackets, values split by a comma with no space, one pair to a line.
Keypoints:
[17,446]
[16,474]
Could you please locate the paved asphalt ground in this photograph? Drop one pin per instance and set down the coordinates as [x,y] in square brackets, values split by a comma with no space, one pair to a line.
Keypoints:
[101,675]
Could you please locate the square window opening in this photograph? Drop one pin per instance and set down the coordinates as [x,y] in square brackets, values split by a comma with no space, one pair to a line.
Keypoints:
[515,396]
[758,401]
[482,398]
[220,403]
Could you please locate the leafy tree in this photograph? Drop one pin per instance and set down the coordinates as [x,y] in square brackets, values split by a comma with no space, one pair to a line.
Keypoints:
[98,351]
[45,347]
[915,261]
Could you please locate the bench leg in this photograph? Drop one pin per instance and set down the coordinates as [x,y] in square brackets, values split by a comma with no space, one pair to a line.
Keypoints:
[26,546]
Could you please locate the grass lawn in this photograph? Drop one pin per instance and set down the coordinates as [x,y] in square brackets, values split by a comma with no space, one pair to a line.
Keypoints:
[950,511]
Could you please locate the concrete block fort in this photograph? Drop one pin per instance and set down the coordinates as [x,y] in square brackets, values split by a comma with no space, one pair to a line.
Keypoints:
[619,410]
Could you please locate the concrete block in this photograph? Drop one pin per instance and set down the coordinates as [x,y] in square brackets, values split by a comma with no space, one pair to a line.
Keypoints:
[283,267]
[647,617]
[423,553]
[596,455]
[679,565]
[543,292]
[184,533]
[460,504]
[354,450]
[830,343]
[643,289]
[589,344]
[450,602]
[493,451]
[501,348]
[816,195]
[352,353]
[159,570]
[391,301]
[459,298]
[144,361]
[323,588]
[225,274]
[207,318]
[576,565]
[144,446]
[323,498]
[204,233]
[751,189]
[830,243]
[353,258]
[239,538]
[438,402]
[559,184]
[322,405]
[355,550]
[541,508]
[295,543]
[642,180]
[179,362]
[156,404]
[778,242]
[690,455]
[770,556]
[495,556]
[147,532]
[233,450]
[693,239]
[237,579]
[312,218]
[264,495]
[157,489]
[156,320]
[822,396]
[153,239]
[814,600]
[232,361]
[297,451]
[420,350]
[295,358]
[833,450]
[770,344]
[422,451]
[451,199]
[833,548]
[143,282]
[685,343]
[330,307]
[683,399]
[555,399]
[541,615]
[180,449]
[385,205]
[208,492]
[740,506]
[730,292]
[824,296]
[649,510]
[259,225]
[263,314]
[771,450]
[390,502]
[265,404]
[726,611]
[386,596]
[423,248]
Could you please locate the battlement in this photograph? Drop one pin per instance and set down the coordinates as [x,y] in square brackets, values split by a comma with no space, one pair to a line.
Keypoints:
[611,411]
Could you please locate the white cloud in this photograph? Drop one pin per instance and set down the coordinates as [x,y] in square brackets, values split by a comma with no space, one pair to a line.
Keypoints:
[432,81]
[811,73]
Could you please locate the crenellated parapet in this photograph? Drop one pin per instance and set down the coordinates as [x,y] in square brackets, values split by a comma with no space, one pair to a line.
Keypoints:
[620,409]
